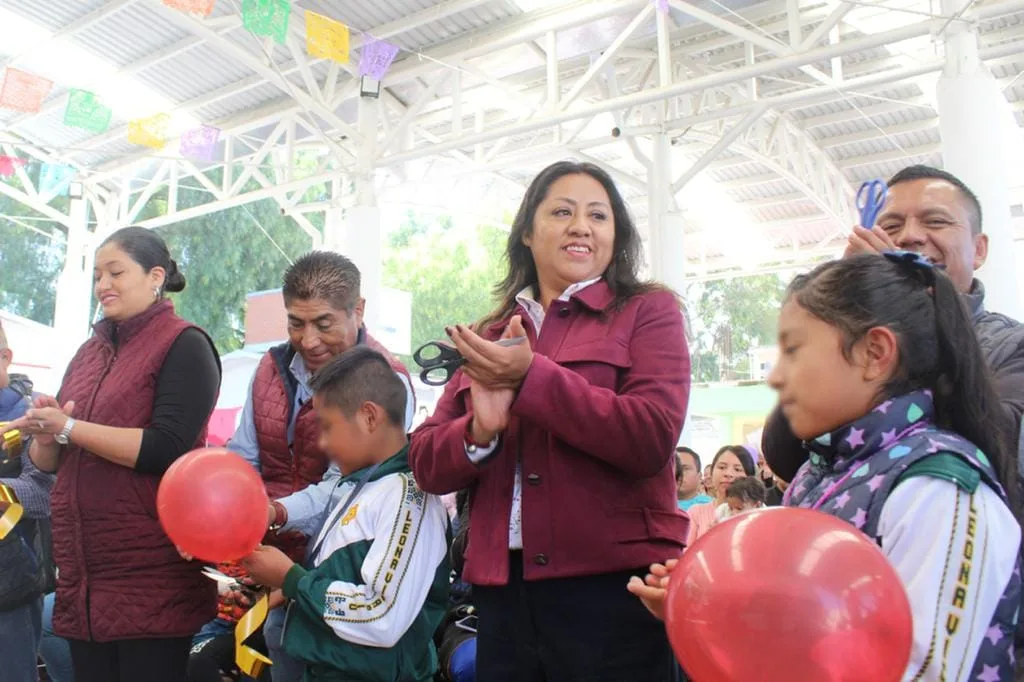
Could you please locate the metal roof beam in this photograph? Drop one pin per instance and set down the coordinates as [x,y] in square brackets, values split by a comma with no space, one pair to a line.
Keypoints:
[897,155]
[74,27]
[270,74]
[695,85]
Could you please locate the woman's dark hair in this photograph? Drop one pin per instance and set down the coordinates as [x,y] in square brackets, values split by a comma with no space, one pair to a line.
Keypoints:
[742,454]
[149,250]
[749,489]
[622,273]
[938,348]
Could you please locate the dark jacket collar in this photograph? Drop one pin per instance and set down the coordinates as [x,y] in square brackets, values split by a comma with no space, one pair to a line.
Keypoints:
[975,300]
[120,332]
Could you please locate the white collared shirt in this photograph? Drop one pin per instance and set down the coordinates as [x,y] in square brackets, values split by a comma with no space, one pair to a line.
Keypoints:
[535,310]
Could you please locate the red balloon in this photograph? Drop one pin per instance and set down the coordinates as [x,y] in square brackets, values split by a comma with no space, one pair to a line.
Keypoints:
[212,505]
[782,594]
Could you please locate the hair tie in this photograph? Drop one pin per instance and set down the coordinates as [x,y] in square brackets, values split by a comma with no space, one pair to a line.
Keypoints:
[915,264]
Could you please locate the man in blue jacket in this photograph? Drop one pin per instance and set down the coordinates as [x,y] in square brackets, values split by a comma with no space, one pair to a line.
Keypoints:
[23,556]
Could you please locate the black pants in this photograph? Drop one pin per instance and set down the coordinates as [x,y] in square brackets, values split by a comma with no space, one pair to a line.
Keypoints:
[130,660]
[215,658]
[587,629]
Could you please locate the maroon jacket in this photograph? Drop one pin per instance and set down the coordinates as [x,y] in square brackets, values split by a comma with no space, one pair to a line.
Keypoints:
[287,470]
[120,576]
[595,424]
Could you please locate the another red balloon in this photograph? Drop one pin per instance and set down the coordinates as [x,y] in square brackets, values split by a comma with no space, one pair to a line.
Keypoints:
[778,595]
[212,505]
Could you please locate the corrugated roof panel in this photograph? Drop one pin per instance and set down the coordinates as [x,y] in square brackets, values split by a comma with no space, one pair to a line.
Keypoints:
[130,34]
[249,100]
[193,74]
[53,14]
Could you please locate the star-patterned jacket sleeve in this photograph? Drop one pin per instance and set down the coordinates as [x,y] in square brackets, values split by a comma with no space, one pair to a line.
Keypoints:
[955,552]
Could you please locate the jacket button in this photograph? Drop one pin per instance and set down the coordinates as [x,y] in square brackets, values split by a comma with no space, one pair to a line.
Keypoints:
[540,559]
[533,479]
[563,311]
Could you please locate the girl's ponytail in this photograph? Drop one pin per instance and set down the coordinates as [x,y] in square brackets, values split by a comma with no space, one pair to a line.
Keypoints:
[965,398]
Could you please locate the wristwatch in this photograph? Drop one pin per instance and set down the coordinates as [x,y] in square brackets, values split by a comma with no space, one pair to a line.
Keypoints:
[65,434]
[280,517]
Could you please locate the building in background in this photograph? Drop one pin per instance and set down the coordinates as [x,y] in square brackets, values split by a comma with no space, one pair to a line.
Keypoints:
[726,414]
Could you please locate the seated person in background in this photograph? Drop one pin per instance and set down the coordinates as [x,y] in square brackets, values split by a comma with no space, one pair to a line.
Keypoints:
[455,638]
[368,609]
[743,495]
[688,482]
[21,585]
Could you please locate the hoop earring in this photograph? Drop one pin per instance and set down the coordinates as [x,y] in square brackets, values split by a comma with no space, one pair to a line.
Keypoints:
[156,292]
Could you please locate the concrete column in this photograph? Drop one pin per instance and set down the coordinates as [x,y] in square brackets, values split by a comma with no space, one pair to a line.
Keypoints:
[357,233]
[72,313]
[974,119]
[664,221]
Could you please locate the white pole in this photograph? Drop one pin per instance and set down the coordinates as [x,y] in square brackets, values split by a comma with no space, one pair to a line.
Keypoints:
[974,120]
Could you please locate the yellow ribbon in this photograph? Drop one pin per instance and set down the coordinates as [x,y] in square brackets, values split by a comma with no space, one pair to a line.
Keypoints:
[248,660]
[12,514]
[11,441]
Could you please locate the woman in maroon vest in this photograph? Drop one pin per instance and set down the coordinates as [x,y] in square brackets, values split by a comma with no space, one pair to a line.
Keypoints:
[136,396]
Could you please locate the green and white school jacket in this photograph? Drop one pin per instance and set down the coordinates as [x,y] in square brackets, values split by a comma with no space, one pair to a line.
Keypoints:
[368,610]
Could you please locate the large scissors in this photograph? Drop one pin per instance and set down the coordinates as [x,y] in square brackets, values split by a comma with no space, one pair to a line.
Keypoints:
[439,361]
[870,199]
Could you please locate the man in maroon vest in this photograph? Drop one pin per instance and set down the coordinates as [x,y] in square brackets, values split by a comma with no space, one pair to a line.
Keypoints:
[278,431]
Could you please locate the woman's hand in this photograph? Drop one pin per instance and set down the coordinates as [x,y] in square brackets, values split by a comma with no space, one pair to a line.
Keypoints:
[653,589]
[488,363]
[491,409]
[43,421]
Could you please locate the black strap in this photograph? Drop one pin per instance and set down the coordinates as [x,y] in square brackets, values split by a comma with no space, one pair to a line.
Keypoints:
[342,508]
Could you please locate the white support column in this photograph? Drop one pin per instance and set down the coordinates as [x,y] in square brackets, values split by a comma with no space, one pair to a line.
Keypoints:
[359,235]
[664,222]
[973,119]
[72,314]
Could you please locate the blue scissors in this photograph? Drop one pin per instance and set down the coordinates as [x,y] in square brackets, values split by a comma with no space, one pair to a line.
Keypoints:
[870,199]
[439,360]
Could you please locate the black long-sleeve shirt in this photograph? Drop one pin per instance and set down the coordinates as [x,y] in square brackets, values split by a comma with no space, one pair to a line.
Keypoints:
[186,392]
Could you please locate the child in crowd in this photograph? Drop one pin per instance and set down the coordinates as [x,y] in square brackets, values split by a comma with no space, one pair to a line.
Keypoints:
[881,375]
[368,608]
[742,495]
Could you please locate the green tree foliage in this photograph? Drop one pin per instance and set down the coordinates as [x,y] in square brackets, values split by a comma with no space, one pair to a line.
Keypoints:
[450,272]
[31,257]
[226,255]
[730,317]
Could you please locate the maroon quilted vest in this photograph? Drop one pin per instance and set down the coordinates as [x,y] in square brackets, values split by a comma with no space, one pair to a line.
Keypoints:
[120,577]
[273,394]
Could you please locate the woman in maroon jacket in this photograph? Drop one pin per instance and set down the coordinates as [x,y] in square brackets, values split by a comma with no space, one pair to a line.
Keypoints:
[566,442]
[136,396]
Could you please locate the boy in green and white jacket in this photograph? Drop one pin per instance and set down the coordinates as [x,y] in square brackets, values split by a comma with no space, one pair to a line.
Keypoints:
[368,610]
